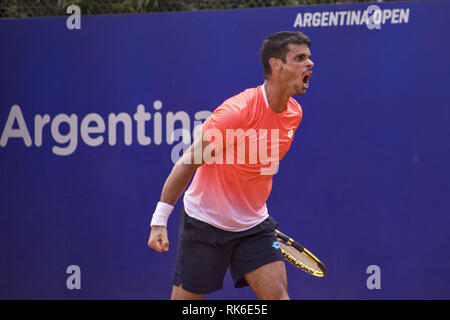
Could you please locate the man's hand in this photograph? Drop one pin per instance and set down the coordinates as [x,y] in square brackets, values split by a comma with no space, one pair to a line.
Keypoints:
[158,239]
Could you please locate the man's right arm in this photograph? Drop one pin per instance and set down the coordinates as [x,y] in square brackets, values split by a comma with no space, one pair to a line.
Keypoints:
[174,186]
[206,144]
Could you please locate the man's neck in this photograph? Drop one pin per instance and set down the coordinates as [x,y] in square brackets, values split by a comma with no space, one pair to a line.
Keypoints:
[277,97]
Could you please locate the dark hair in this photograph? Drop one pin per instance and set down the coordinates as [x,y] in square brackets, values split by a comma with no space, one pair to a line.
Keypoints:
[276,46]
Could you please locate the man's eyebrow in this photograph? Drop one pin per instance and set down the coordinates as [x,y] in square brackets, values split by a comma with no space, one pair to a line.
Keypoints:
[303,55]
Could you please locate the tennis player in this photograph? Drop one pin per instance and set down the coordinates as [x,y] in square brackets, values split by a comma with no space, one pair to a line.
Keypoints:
[225,222]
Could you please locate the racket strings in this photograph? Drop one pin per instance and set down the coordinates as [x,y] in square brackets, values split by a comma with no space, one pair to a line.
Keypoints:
[300,257]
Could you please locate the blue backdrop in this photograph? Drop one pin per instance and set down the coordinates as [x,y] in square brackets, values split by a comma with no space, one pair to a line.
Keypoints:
[366,181]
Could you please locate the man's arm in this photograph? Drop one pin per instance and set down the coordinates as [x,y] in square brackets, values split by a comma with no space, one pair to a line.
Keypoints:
[174,186]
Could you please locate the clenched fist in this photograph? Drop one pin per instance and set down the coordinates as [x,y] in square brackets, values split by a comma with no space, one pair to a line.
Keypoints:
[158,239]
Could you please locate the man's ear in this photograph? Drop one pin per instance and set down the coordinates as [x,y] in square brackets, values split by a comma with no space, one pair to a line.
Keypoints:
[275,64]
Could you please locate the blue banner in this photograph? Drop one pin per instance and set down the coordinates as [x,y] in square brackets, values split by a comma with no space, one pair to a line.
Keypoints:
[92,120]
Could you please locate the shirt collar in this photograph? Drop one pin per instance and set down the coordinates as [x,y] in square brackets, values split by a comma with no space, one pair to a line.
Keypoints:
[264,95]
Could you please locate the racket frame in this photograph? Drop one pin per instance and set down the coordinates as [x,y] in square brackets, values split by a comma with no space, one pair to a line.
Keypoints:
[291,242]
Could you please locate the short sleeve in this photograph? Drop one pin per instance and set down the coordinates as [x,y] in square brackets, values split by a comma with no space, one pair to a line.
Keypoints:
[225,117]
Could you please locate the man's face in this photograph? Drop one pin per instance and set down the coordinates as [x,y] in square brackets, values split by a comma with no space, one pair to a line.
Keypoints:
[297,70]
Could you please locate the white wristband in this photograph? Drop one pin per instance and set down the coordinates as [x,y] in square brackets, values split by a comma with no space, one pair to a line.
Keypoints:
[161,214]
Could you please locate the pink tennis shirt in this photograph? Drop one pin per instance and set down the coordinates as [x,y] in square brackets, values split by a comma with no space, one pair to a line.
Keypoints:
[249,140]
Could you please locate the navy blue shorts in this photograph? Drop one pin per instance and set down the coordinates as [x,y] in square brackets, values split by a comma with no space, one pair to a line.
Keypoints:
[205,253]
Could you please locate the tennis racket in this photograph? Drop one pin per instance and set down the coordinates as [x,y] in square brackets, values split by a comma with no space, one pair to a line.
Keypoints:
[296,254]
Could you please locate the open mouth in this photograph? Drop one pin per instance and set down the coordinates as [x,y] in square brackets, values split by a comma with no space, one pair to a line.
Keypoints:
[306,78]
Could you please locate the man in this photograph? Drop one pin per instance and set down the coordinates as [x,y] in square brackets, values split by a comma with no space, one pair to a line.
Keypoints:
[225,223]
